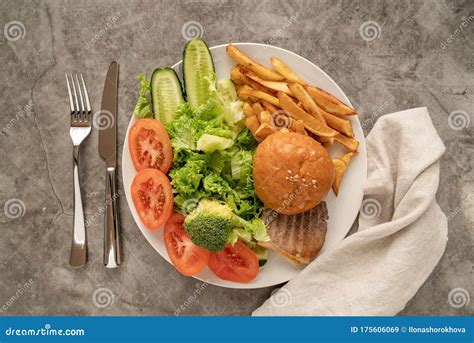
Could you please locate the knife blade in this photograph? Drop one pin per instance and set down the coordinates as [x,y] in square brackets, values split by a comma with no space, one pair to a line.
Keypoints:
[107,122]
[107,125]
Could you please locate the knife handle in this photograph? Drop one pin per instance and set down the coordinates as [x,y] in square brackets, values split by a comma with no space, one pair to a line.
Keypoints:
[112,253]
[78,255]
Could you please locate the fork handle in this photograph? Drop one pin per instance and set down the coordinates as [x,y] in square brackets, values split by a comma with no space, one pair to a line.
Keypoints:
[112,253]
[78,257]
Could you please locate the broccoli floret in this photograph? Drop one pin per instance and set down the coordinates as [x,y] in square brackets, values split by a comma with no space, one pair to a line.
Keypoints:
[209,231]
[212,225]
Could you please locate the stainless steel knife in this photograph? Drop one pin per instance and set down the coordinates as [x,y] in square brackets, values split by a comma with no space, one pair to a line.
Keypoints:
[107,125]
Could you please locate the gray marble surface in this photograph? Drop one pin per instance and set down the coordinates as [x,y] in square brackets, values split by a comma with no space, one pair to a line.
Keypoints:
[418,53]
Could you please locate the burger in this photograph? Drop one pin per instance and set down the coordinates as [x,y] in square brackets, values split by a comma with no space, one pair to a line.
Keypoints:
[292,172]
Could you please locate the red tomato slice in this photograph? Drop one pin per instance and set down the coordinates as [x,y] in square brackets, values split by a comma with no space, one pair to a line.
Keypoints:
[188,258]
[150,145]
[235,263]
[152,196]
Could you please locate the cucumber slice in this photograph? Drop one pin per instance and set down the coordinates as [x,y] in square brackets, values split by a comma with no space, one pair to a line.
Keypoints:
[262,255]
[197,69]
[261,252]
[226,91]
[233,112]
[166,94]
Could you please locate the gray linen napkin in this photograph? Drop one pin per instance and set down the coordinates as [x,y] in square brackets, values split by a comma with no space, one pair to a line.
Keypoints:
[402,231]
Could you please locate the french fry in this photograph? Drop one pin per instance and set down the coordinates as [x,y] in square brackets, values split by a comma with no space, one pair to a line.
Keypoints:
[265,117]
[311,123]
[340,166]
[308,103]
[326,142]
[253,124]
[269,107]
[248,81]
[239,78]
[257,108]
[342,125]
[244,92]
[283,69]
[350,143]
[347,157]
[264,131]
[251,120]
[329,102]
[298,127]
[248,63]
[273,85]
[248,110]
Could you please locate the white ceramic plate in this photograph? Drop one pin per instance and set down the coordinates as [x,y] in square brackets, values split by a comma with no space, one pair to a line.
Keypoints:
[342,210]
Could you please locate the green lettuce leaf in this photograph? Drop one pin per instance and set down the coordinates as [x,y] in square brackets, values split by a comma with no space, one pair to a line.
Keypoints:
[187,178]
[143,108]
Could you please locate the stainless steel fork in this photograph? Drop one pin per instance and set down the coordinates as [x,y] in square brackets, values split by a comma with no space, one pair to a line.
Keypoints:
[81,124]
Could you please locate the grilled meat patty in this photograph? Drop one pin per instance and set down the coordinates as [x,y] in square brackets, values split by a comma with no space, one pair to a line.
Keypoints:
[297,237]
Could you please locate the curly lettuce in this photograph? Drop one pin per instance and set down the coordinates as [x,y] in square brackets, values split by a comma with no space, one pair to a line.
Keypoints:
[143,108]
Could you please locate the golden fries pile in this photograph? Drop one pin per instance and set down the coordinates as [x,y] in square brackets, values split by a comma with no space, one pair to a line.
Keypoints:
[279,100]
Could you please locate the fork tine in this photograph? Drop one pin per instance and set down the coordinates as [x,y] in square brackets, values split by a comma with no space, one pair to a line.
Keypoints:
[86,96]
[80,95]
[71,103]
[75,94]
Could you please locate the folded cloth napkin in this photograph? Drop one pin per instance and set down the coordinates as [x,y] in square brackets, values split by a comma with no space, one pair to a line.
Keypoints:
[402,231]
